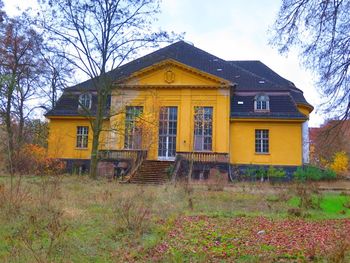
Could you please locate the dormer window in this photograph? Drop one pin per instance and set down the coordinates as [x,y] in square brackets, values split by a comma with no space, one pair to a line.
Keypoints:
[85,101]
[261,102]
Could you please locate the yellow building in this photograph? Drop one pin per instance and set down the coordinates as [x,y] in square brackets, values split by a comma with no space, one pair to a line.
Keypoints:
[182,104]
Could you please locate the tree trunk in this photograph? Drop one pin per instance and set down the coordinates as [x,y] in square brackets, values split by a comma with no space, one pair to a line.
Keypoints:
[94,154]
[8,122]
[9,132]
[21,122]
[97,125]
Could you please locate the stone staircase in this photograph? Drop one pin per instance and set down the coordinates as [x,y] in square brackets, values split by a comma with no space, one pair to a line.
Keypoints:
[152,172]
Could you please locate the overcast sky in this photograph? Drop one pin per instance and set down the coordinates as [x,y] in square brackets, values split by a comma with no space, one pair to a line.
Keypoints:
[231,30]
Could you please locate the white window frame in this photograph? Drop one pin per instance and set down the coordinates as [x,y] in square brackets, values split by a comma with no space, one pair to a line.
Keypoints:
[82,138]
[262,103]
[262,141]
[133,134]
[85,101]
[167,132]
[203,129]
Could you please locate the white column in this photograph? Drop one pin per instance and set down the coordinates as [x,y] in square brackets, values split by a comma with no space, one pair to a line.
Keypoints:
[305,142]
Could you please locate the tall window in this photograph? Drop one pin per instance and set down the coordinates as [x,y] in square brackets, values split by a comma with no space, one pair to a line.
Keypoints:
[85,101]
[262,141]
[262,102]
[167,132]
[132,139]
[203,128]
[82,137]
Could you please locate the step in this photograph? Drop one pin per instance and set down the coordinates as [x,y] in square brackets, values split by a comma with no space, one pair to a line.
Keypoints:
[152,172]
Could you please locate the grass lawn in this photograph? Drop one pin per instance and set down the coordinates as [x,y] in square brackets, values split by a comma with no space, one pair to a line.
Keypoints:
[76,219]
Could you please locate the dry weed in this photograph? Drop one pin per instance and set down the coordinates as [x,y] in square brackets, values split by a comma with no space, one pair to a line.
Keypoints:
[40,235]
[188,189]
[12,199]
[50,190]
[308,193]
[217,182]
[133,211]
[341,251]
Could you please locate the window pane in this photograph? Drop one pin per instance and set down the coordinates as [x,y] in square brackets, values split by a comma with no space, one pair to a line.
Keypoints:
[85,100]
[262,102]
[167,132]
[133,134]
[262,141]
[82,137]
[203,128]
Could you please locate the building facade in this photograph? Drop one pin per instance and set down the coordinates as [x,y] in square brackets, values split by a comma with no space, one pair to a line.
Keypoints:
[183,101]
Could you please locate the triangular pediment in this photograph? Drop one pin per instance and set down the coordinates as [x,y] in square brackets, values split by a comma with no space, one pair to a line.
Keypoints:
[172,73]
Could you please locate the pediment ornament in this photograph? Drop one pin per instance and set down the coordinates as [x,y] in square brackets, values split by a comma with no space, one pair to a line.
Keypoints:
[169,76]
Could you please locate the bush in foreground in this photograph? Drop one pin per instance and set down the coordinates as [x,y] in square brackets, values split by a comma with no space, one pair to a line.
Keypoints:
[313,173]
[33,159]
[340,163]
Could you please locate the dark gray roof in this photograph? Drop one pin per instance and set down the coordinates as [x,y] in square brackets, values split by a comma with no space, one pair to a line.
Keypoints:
[68,105]
[251,76]
[260,69]
[281,106]
[196,58]
[299,98]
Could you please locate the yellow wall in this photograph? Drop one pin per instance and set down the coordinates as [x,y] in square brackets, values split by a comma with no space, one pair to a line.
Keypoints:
[187,90]
[62,138]
[284,143]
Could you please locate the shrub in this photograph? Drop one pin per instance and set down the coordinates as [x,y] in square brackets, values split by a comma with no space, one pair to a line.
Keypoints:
[329,174]
[273,172]
[313,173]
[169,171]
[340,162]
[13,199]
[261,173]
[32,159]
[41,234]
[309,195]
[217,184]
[133,212]
[250,172]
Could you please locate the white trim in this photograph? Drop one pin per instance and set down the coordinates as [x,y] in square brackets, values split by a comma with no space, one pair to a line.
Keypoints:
[305,142]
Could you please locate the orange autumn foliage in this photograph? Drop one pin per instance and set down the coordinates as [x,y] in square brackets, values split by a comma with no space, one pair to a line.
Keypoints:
[32,159]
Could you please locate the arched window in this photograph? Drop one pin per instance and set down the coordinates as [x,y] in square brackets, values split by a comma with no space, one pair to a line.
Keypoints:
[85,101]
[261,102]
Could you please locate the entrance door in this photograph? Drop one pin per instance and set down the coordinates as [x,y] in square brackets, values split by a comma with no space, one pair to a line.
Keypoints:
[167,133]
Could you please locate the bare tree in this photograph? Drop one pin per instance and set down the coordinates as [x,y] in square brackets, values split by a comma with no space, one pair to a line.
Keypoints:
[321,30]
[100,35]
[19,67]
[57,75]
